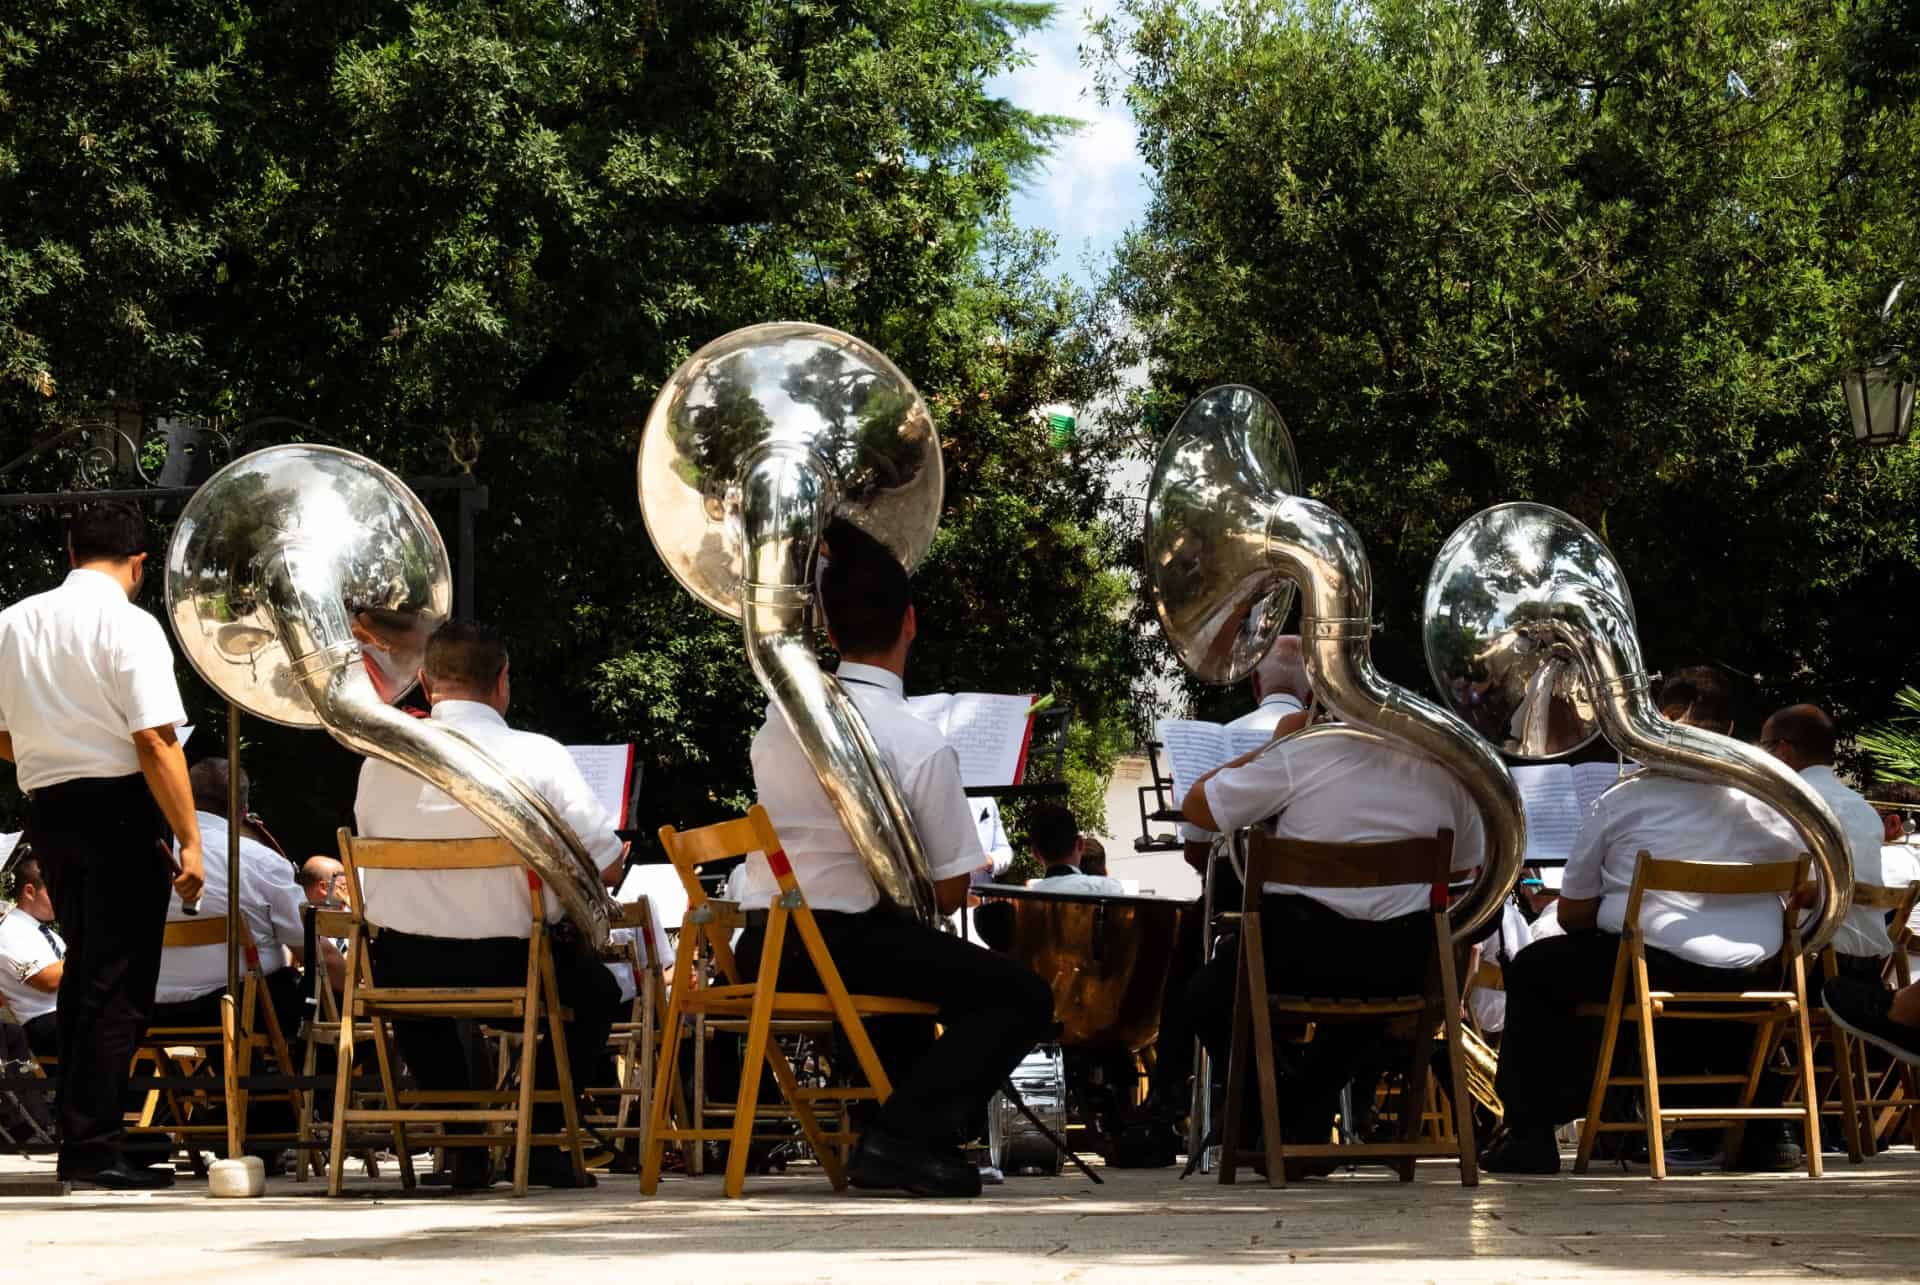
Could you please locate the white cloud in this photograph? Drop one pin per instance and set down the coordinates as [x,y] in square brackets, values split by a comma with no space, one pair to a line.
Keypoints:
[1094,185]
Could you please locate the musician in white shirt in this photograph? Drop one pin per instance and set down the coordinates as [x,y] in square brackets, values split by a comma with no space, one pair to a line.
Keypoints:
[1803,737]
[470,927]
[32,956]
[1054,836]
[992,1010]
[1281,692]
[88,705]
[1547,1053]
[1353,942]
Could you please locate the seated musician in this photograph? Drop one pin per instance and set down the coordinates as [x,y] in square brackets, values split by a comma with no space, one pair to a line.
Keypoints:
[992,1010]
[1720,943]
[1803,737]
[1093,855]
[470,927]
[1055,839]
[32,956]
[1335,942]
[1281,693]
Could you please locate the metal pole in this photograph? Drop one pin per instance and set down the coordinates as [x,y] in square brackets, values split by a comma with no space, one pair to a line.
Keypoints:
[473,500]
[233,851]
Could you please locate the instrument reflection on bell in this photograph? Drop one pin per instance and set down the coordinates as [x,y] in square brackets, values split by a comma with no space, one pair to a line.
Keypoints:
[1228,543]
[754,445]
[303,582]
[1531,597]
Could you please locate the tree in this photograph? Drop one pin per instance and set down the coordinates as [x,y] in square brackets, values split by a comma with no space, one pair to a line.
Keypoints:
[464,235]
[1611,258]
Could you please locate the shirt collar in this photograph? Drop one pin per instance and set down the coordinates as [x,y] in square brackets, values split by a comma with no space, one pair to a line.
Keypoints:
[873,676]
[457,712]
[94,582]
[1277,698]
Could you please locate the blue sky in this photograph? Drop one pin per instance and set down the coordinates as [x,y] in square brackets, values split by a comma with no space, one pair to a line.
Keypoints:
[1095,184]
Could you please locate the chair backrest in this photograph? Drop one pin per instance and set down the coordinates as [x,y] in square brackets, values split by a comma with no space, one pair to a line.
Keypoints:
[359,852]
[1717,879]
[691,849]
[1350,865]
[182,934]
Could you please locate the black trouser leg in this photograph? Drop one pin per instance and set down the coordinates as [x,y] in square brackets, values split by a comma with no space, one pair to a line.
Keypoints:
[992,1011]
[43,1034]
[440,1056]
[267,1111]
[105,849]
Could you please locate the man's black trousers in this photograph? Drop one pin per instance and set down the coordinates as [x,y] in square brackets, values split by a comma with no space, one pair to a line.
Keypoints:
[445,1054]
[992,1011]
[1547,1054]
[106,851]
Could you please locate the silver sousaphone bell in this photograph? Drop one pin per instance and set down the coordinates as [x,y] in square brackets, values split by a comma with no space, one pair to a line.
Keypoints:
[1530,633]
[303,582]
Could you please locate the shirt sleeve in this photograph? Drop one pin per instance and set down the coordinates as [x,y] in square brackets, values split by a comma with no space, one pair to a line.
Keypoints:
[25,952]
[143,672]
[578,806]
[282,897]
[941,814]
[1240,796]
[1582,880]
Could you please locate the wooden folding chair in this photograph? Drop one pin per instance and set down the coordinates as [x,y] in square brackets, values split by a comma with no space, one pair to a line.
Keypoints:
[1632,1001]
[322,1030]
[182,1056]
[533,1006]
[1896,1088]
[761,1002]
[1427,862]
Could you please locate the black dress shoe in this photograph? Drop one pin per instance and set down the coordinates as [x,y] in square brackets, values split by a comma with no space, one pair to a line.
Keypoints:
[551,1167]
[883,1161]
[1523,1149]
[470,1168]
[122,1176]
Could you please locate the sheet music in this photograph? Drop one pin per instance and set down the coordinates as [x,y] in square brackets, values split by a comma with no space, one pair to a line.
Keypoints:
[607,769]
[986,729]
[1245,740]
[181,731]
[1553,813]
[1590,780]
[1194,748]
[661,886]
[8,842]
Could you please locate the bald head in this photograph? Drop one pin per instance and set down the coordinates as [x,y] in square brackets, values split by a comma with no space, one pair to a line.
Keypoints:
[317,879]
[1283,669]
[208,780]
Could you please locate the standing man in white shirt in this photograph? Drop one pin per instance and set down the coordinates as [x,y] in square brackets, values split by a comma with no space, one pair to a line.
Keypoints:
[992,1010]
[88,705]
[1342,942]
[470,927]
[31,958]
[1803,737]
[1054,836]
[1694,943]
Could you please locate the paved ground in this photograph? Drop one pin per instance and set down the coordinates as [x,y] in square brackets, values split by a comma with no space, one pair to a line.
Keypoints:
[1859,1223]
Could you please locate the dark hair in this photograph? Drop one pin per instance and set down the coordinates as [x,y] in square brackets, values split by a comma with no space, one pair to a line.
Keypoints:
[1093,855]
[1051,830]
[1807,728]
[465,654]
[1701,694]
[27,871]
[208,780]
[864,592]
[106,531]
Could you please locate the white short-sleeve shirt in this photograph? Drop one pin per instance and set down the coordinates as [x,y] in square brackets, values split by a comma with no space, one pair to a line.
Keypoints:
[925,767]
[1264,717]
[393,803]
[1681,820]
[1864,930]
[81,670]
[270,900]
[1341,789]
[1084,884]
[27,947]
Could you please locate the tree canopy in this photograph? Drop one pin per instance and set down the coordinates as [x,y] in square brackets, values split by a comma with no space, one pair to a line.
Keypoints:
[1611,257]
[475,236]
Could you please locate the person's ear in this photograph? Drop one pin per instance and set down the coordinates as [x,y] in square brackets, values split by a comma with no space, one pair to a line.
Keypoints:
[909,626]
[426,688]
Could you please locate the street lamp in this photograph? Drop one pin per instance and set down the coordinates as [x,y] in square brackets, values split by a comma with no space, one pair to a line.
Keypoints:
[1878,399]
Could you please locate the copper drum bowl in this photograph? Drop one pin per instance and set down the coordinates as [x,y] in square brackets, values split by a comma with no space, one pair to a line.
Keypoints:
[1105,957]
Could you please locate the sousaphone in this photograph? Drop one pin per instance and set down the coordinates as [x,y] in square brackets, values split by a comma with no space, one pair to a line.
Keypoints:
[303,583]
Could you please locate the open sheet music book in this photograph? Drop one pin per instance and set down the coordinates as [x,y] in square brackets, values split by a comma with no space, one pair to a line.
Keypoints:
[1195,747]
[1557,797]
[990,732]
[609,771]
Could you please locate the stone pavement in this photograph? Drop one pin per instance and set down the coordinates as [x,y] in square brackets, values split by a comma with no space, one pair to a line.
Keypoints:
[1859,1222]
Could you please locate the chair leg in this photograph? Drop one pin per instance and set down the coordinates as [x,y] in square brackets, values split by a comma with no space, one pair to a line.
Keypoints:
[562,1066]
[1456,1058]
[747,1101]
[1603,1068]
[1649,1067]
[1261,1015]
[523,1104]
[1843,1067]
[655,1146]
[1857,1067]
[1236,1070]
[390,1089]
[1804,1036]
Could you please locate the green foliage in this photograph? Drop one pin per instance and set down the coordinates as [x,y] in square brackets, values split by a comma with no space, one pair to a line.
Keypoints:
[1894,746]
[1608,257]
[477,236]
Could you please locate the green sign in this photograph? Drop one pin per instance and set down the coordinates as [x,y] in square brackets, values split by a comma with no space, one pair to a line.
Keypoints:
[1060,431]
